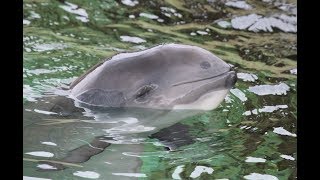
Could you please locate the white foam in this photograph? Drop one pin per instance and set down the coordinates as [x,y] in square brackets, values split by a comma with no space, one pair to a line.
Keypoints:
[193,33]
[83,19]
[199,170]
[149,16]
[136,40]
[87,174]
[224,24]
[34,178]
[247,113]
[239,4]
[34,15]
[205,139]
[293,71]
[130,174]
[247,77]
[160,20]
[26,22]
[227,99]
[178,15]
[27,49]
[287,157]
[157,144]
[66,18]
[288,19]
[39,71]
[202,32]
[30,94]
[282,131]
[239,94]
[268,23]
[265,109]
[258,23]
[41,154]
[131,16]
[177,171]
[74,9]
[48,47]
[255,159]
[288,8]
[43,112]
[279,89]
[255,111]
[167,9]
[46,166]
[130,120]
[167,14]
[49,143]
[130,2]
[243,22]
[243,127]
[257,176]
[272,108]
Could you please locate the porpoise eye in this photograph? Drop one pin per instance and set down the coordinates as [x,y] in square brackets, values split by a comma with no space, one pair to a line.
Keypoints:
[205,65]
[144,91]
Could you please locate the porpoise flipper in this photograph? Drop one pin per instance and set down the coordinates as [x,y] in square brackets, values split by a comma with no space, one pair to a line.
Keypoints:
[80,154]
[85,152]
[174,136]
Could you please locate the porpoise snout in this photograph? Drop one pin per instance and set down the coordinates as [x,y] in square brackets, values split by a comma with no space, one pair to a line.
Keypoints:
[231,79]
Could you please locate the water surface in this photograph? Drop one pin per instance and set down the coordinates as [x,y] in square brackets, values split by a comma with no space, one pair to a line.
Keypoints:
[251,135]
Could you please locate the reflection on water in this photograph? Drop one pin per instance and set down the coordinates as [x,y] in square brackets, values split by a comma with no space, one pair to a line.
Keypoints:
[80,133]
[251,135]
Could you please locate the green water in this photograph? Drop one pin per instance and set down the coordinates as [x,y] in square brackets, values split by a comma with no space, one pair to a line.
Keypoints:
[61,44]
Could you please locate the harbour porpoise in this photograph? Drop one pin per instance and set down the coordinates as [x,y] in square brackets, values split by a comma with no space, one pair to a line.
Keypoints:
[144,92]
[171,76]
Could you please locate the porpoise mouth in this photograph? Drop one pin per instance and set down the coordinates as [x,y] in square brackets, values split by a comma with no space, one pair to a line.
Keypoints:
[234,79]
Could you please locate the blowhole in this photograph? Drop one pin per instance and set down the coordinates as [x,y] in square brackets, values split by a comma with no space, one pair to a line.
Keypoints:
[205,65]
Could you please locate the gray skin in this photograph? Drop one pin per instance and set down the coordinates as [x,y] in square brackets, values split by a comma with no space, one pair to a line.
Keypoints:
[158,78]
[150,86]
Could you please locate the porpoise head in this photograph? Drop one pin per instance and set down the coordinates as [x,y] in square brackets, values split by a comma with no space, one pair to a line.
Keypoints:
[170,76]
